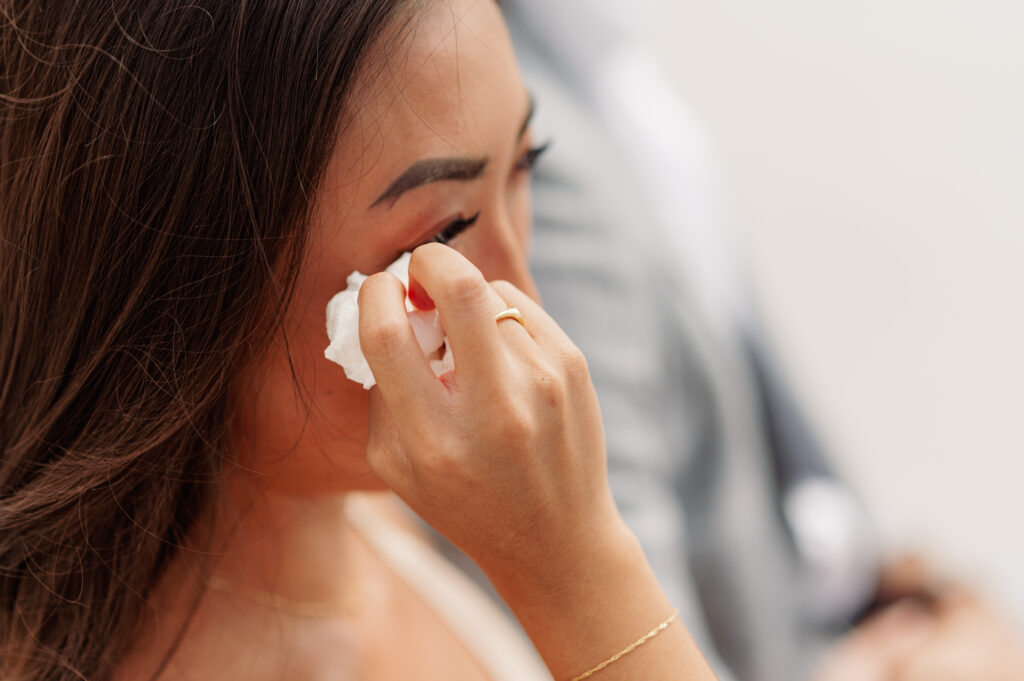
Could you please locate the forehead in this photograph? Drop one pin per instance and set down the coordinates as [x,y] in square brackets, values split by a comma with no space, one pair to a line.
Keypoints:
[449,85]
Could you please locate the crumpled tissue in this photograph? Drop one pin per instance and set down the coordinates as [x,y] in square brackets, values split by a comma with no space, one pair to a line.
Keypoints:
[343,329]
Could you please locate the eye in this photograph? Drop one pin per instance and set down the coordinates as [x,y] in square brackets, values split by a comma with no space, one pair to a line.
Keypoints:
[455,228]
[529,159]
[449,232]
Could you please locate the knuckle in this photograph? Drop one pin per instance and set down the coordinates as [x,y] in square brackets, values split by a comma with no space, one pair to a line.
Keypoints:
[443,460]
[441,463]
[465,288]
[514,425]
[504,288]
[550,387]
[575,362]
[382,338]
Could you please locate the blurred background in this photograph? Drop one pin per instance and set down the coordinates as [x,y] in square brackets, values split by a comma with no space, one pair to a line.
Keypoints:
[874,157]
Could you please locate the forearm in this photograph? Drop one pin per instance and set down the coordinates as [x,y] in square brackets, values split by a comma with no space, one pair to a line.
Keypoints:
[591,603]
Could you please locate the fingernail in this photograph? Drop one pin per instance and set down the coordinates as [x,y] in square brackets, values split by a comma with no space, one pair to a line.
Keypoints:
[418,297]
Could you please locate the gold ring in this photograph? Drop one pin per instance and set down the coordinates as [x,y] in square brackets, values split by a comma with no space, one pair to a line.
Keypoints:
[511,313]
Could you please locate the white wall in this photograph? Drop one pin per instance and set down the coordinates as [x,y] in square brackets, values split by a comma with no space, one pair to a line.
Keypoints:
[875,155]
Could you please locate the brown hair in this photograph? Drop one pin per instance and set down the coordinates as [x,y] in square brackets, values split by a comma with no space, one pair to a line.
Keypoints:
[157,163]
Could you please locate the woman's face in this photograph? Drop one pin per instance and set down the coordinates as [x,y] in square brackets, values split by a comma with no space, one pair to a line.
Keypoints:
[437,136]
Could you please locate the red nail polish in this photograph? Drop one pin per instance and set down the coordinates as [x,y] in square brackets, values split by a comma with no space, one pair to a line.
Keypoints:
[418,297]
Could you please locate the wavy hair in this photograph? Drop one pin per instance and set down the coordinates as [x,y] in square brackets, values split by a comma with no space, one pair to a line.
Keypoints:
[158,161]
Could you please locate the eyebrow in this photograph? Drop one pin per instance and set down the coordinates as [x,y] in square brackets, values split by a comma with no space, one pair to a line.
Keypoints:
[432,170]
[439,169]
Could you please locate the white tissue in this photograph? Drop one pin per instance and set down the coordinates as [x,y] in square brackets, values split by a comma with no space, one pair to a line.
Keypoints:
[343,329]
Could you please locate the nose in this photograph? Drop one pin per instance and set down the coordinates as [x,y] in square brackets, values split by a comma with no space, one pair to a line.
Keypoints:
[505,256]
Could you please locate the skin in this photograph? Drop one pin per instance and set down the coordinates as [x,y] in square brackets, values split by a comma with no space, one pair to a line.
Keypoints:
[513,434]
[961,639]
[434,99]
[952,634]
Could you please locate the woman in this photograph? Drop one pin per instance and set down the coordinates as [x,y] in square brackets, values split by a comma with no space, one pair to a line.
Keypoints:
[183,187]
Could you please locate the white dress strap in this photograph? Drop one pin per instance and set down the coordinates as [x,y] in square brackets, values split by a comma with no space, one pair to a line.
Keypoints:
[469,613]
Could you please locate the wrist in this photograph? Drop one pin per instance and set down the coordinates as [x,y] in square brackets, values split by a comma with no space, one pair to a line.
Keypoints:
[590,602]
[567,571]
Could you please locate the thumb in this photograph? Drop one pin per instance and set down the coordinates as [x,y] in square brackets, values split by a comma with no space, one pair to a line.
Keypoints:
[384,452]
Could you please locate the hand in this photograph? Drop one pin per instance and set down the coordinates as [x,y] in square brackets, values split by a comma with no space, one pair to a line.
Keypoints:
[969,641]
[910,576]
[874,650]
[958,639]
[505,455]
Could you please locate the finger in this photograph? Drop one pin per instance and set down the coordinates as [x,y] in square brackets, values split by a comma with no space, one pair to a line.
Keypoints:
[467,306]
[957,599]
[908,575]
[898,631]
[878,649]
[538,323]
[515,335]
[390,347]
[418,296]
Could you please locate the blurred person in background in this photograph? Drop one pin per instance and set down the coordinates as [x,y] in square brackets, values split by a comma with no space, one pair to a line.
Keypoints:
[711,460]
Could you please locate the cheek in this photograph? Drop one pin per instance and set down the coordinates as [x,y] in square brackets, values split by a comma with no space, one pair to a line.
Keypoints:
[304,429]
[500,246]
[521,216]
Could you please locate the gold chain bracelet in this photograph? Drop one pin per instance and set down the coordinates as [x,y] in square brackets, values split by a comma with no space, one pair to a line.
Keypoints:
[631,647]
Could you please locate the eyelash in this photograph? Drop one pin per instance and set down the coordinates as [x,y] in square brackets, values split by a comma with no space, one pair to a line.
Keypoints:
[529,159]
[455,228]
[459,225]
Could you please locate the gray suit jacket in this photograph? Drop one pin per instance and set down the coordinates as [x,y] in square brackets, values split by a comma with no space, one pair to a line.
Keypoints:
[702,437]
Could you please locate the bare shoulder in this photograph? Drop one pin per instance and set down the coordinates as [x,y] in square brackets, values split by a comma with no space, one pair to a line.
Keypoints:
[228,640]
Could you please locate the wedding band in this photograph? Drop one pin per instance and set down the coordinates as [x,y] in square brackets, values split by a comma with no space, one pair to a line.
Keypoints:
[511,313]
